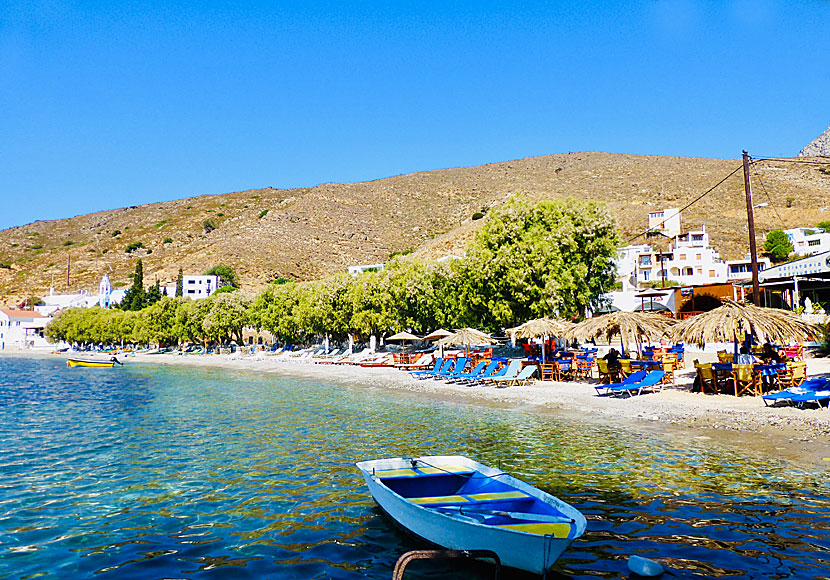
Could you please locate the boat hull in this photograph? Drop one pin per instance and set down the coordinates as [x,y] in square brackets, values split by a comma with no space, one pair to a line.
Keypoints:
[533,552]
[89,363]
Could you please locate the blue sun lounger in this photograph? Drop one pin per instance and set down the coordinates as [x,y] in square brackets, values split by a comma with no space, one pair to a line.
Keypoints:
[511,370]
[523,377]
[634,377]
[477,370]
[472,377]
[651,380]
[440,365]
[800,393]
[458,368]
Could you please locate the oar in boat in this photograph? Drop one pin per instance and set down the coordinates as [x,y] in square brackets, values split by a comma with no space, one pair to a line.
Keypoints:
[514,515]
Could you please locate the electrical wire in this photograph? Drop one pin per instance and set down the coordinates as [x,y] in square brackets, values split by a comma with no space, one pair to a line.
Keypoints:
[691,203]
[769,198]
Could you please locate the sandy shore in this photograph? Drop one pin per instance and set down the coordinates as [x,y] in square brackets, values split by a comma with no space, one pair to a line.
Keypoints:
[802,434]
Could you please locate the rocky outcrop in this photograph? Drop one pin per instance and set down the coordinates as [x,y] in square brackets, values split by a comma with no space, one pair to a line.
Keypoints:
[820,146]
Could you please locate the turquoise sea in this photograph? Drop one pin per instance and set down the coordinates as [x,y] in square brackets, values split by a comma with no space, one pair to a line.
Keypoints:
[155,472]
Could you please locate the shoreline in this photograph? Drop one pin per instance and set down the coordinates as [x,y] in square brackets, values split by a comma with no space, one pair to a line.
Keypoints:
[800,435]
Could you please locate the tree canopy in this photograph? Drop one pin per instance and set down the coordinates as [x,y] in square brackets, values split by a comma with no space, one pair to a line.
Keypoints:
[778,245]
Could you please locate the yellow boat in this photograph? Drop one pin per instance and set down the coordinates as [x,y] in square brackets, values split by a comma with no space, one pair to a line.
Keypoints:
[74,362]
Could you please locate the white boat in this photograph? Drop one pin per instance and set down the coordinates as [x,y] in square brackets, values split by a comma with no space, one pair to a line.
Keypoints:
[460,504]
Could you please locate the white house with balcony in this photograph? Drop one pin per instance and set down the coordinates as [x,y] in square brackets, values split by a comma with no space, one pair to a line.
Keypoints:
[808,241]
[688,260]
[665,221]
[21,329]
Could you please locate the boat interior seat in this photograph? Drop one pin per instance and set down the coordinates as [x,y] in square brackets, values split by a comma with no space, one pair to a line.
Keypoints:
[557,530]
[473,498]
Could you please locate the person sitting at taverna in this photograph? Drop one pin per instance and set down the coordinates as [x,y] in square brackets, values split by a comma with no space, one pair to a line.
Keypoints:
[613,358]
[746,358]
[770,354]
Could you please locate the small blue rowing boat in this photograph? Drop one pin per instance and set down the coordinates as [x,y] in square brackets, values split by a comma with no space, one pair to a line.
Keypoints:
[460,504]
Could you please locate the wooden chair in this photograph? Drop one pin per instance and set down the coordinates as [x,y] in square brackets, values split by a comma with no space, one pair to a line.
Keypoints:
[743,376]
[582,368]
[725,357]
[547,372]
[607,375]
[668,370]
[625,367]
[706,377]
[795,352]
[564,371]
[794,374]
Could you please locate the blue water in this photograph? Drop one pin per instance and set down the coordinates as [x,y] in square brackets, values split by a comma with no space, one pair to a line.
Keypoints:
[145,472]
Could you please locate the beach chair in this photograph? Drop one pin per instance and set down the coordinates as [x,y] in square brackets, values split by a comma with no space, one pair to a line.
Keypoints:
[452,369]
[497,371]
[473,375]
[785,395]
[509,370]
[630,379]
[668,370]
[652,381]
[606,374]
[817,397]
[476,371]
[547,371]
[441,365]
[523,377]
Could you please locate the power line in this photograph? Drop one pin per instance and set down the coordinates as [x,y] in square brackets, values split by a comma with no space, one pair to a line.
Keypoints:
[694,201]
[769,198]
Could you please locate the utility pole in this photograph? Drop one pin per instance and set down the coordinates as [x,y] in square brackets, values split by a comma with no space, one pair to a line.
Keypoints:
[753,251]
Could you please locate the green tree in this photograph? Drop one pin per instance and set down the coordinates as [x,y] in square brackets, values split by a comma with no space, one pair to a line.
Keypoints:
[159,321]
[227,315]
[152,295]
[778,245]
[180,284]
[530,261]
[227,276]
[825,225]
[134,297]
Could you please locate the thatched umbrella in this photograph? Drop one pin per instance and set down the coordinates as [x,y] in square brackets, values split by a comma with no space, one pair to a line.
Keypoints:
[629,325]
[541,328]
[651,294]
[403,337]
[729,322]
[466,337]
[438,335]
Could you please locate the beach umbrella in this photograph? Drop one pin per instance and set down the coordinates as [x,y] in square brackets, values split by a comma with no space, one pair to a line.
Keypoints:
[466,337]
[629,325]
[402,337]
[732,321]
[438,335]
[541,328]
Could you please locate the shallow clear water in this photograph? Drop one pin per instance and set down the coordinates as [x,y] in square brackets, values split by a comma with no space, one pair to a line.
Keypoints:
[145,472]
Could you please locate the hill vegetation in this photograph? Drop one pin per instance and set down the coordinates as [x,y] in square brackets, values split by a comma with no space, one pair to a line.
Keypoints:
[309,233]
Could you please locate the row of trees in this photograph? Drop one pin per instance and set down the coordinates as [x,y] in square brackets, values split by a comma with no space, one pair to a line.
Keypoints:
[527,261]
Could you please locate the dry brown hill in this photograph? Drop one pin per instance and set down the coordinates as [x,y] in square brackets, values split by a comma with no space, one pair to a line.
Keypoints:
[308,233]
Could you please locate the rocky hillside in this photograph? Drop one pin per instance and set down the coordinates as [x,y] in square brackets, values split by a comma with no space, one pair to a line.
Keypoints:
[308,233]
[820,146]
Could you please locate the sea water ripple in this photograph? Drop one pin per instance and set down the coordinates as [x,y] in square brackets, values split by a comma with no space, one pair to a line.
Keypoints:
[145,472]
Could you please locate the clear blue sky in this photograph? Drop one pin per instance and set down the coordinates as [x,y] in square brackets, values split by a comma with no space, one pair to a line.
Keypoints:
[109,104]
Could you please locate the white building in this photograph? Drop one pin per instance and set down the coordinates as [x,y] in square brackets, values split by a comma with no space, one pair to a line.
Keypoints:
[665,221]
[21,329]
[55,302]
[808,241]
[688,260]
[195,287]
[357,270]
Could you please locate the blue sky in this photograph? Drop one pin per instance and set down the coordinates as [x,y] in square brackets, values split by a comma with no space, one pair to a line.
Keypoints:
[110,104]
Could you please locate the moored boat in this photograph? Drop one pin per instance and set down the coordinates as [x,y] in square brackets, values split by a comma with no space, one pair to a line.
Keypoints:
[75,362]
[460,504]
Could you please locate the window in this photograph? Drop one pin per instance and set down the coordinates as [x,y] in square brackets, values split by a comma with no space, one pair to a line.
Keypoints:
[697,237]
[711,273]
[697,257]
[191,281]
[646,275]
[682,256]
[814,243]
[645,260]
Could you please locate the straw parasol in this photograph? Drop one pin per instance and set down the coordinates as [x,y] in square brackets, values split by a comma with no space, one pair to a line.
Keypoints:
[651,294]
[729,322]
[629,325]
[437,334]
[403,337]
[541,328]
[466,337]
